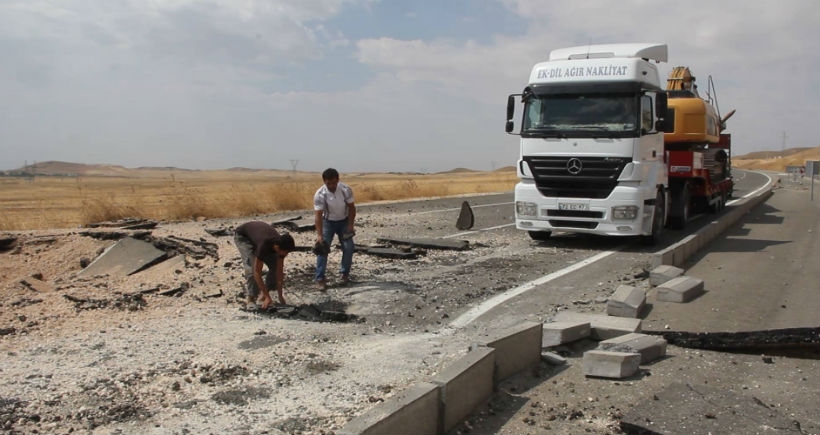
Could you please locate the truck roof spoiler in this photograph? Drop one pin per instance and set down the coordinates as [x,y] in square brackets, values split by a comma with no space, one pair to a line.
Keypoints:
[644,50]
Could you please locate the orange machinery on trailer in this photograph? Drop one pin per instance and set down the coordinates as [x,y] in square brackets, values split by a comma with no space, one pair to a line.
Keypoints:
[697,151]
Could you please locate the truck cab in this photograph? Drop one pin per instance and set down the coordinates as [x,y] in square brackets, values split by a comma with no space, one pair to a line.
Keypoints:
[592,142]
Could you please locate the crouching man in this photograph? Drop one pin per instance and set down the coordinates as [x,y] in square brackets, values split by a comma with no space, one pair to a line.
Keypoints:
[259,243]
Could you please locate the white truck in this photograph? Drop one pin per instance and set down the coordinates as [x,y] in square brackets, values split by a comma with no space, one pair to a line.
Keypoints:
[592,143]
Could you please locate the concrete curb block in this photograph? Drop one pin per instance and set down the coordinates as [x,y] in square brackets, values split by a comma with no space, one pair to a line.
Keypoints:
[464,385]
[677,254]
[413,411]
[440,405]
[518,349]
[603,326]
[557,333]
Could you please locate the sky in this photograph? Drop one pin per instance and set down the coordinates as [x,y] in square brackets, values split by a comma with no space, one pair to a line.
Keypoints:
[362,85]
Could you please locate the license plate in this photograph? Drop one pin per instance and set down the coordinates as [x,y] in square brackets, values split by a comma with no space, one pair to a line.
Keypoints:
[575,206]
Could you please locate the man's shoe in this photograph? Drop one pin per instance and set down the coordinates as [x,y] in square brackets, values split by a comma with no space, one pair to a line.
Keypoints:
[345,278]
[321,284]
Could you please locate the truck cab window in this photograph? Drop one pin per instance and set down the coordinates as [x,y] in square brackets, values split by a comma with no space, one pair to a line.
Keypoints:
[584,115]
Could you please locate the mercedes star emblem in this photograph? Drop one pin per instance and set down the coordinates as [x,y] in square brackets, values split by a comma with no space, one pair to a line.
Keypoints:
[574,166]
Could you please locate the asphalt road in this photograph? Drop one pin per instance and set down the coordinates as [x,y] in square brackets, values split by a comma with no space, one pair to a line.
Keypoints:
[766,259]
[762,274]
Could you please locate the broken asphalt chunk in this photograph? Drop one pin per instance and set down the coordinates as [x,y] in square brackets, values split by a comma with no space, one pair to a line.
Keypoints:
[37,285]
[197,249]
[391,253]
[125,223]
[429,243]
[297,223]
[125,257]
[7,243]
[466,219]
[217,232]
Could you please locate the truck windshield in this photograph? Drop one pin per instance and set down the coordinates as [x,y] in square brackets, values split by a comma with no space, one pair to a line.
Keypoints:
[590,115]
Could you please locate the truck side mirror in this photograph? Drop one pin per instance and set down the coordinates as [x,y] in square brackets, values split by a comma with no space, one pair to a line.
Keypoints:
[669,121]
[508,127]
[661,105]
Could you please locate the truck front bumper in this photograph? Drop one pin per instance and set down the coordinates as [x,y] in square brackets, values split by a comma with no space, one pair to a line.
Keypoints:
[623,213]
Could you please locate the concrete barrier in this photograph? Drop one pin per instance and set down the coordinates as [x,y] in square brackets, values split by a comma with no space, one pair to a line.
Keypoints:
[413,411]
[517,349]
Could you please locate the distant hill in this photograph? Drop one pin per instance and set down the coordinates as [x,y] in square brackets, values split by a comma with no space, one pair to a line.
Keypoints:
[456,171]
[68,169]
[773,154]
[776,160]
[56,168]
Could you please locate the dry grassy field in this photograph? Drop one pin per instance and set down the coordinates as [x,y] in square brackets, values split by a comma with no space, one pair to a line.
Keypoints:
[108,193]
[66,195]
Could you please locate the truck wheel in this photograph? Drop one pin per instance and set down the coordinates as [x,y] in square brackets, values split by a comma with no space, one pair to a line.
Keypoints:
[540,235]
[657,221]
[679,213]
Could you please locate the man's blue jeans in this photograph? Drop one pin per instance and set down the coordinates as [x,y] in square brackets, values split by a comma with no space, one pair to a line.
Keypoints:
[329,229]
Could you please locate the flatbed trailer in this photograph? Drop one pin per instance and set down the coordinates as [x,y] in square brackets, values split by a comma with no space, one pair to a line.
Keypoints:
[698,155]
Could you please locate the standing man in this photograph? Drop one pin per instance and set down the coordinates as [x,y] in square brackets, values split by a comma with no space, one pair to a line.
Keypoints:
[335,212]
[258,244]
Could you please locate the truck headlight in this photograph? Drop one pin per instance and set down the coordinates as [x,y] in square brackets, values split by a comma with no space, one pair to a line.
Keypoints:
[526,208]
[625,212]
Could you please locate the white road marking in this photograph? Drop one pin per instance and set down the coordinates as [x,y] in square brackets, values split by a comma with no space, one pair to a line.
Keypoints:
[477,311]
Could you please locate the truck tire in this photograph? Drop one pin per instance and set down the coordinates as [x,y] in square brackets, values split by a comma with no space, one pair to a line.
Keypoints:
[657,221]
[681,203]
[540,236]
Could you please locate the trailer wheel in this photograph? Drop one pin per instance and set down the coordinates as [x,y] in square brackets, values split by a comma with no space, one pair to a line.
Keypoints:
[657,221]
[679,212]
[540,236]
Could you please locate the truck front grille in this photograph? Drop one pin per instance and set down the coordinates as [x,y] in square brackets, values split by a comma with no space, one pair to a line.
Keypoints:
[576,213]
[573,224]
[576,177]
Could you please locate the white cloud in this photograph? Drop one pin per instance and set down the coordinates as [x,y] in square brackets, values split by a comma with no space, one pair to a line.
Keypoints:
[209,84]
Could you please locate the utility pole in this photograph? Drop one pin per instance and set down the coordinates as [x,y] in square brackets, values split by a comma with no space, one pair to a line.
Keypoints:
[293,163]
[783,147]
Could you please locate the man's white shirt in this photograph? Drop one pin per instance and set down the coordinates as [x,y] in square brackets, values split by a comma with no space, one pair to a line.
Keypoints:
[334,204]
